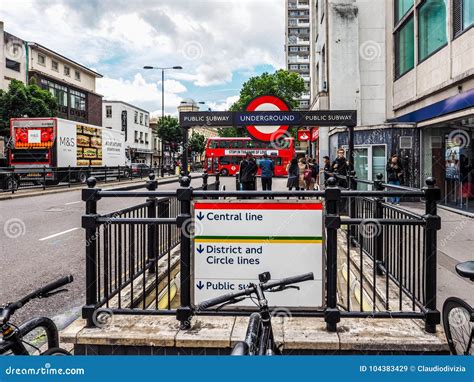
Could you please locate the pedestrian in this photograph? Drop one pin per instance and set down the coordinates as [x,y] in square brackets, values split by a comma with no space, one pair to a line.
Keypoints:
[339,167]
[314,174]
[267,167]
[293,175]
[327,169]
[302,167]
[247,173]
[309,178]
[394,175]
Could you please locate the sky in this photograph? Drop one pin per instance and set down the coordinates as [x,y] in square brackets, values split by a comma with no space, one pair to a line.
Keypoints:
[219,44]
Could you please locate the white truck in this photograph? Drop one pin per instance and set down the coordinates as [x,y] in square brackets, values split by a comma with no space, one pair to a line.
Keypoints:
[54,150]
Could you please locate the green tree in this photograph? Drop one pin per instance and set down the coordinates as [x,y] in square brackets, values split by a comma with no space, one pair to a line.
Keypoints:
[169,132]
[283,84]
[21,100]
[197,143]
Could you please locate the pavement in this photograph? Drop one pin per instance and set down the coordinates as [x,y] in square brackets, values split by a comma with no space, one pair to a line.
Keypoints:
[42,240]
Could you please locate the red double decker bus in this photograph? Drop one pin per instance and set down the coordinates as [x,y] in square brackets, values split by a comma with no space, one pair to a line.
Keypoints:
[223,155]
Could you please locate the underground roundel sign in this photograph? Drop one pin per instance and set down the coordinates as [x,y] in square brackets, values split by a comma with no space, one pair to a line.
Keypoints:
[267,103]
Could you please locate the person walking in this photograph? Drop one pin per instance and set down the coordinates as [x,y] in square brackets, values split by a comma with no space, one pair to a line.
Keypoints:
[339,166]
[394,176]
[314,174]
[326,170]
[247,172]
[309,177]
[302,167]
[266,167]
[293,175]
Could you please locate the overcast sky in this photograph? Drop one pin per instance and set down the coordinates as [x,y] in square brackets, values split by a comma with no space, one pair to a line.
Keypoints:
[219,43]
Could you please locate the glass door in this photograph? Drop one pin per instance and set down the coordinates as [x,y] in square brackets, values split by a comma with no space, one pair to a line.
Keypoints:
[361,166]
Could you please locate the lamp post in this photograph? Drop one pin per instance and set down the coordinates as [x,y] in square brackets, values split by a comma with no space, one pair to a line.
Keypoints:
[163,100]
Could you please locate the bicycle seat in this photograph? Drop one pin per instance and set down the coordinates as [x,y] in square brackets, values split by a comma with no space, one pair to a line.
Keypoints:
[466,269]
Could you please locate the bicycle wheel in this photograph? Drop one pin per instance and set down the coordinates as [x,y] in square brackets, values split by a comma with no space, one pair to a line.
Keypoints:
[458,326]
[56,351]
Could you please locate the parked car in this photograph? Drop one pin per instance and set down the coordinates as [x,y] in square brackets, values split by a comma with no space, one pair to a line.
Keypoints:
[140,169]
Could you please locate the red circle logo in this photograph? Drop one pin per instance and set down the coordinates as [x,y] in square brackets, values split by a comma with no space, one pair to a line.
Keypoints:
[267,103]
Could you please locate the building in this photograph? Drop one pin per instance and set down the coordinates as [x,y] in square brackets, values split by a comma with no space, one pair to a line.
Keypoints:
[135,123]
[348,65]
[297,43]
[156,145]
[430,78]
[72,84]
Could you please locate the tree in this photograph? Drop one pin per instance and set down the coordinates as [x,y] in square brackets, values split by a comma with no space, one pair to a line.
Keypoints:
[283,84]
[169,132]
[197,143]
[21,100]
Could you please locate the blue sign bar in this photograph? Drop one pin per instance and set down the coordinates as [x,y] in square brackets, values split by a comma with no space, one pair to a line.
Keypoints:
[259,118]
[238,369]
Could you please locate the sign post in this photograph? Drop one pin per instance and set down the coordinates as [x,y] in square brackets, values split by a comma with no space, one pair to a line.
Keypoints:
[236,241]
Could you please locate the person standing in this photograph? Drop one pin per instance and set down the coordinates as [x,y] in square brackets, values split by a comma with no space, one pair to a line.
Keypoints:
[267,167]
[327,169]
[302,167]
[394,176]
[293,175]
[247,172]
[339,166]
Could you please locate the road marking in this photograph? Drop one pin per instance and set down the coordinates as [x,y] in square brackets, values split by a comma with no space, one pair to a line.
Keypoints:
[68,204]
[58,234]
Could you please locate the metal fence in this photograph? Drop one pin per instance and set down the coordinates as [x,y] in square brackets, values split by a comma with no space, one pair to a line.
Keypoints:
[388,270]
[43,177]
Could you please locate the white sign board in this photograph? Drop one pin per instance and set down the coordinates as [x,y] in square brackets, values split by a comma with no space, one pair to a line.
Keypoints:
[235,241]
[34,136]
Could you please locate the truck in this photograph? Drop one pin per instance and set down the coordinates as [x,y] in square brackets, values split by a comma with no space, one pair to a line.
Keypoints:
[54,150]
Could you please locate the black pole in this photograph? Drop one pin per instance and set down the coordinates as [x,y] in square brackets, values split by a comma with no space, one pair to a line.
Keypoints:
[351,147]
[162,115]
[184,169]
[433,224]
[152,245]
[378,214]
[332,222]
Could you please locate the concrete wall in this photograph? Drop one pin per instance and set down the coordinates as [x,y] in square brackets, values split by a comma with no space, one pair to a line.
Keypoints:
[12,48]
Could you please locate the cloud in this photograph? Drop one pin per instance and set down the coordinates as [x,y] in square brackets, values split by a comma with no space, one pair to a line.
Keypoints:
[225,105]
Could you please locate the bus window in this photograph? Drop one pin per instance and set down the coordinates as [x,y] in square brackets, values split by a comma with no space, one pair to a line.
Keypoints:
[213,144]
[225,160]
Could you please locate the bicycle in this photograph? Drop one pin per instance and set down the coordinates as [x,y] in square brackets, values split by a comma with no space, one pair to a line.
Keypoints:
[259,339]
[13,336]
[458,317]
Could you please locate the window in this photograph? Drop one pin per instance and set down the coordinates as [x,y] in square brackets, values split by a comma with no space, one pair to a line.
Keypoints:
[13,65]
[141,118]
[77,75]
[141,136]
[136,136]
[293,67]
[136,117]
[58,91]
[213,144]
[67,71]
[54,66]
[431,27]
[41,59]
[463,15]
[78,100]
[405,48]
[108,111]
[401,8]
[146,120]
[146,138]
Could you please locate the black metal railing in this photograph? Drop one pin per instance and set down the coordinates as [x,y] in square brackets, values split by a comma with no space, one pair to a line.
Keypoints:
[388,272]
[13,179]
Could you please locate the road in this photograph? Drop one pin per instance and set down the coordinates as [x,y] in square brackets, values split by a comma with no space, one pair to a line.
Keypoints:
[42,240]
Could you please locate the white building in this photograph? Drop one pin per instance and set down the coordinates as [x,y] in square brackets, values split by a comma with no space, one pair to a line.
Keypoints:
[135,123]
[297,43]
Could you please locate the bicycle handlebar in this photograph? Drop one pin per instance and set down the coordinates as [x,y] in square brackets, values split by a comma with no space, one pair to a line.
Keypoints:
[41,292]
[251,289]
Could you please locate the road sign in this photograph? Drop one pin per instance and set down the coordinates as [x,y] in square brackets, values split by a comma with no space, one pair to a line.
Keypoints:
[266,132]
[304,135]
[259,120]
[235,241]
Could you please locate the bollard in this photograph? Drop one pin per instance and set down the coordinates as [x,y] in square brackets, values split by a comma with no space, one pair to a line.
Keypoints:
[332,221]
[204,180]
[433,224]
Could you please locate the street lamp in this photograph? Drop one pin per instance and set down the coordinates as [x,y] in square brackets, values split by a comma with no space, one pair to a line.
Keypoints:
[163,99]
